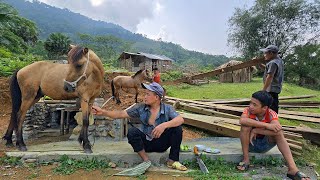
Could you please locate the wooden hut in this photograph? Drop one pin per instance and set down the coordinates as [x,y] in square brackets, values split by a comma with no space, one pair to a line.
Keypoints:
[237,76]
[136,61]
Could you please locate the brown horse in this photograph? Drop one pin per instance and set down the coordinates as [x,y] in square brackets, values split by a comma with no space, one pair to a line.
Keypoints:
[134,81]
[82,77]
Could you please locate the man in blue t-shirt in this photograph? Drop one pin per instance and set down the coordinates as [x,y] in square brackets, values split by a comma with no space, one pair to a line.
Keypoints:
[273,74]
[161,126]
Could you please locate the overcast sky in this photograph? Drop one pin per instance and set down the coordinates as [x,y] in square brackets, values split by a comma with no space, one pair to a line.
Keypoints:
[200,25]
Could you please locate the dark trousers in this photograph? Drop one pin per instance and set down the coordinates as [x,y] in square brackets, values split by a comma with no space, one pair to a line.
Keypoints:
[171,137]
[275,103]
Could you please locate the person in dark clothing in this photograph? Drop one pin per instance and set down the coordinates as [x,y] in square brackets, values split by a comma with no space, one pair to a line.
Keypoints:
[273,74]
[161,126]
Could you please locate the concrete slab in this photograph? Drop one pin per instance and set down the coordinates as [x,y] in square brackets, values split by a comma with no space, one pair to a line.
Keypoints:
[121,152]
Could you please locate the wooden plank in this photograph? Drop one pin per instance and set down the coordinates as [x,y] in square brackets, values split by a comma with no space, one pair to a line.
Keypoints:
[204,111]
[247,100]
[245,64]
[207,123]
[59,101]
[238,111]
[281,106]
[294,153]
[295,147]
[294,142]
[307,114]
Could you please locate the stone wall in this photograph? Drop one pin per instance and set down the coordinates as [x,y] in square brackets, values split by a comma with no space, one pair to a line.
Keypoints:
[44,116]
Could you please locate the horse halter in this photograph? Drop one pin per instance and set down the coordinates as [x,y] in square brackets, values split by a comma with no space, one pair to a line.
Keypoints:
[72,85]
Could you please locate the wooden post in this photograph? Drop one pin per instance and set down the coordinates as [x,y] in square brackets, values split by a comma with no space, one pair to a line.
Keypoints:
[67,123]
[61,121]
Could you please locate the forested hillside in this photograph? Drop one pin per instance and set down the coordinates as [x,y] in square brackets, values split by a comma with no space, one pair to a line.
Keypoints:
[51,20]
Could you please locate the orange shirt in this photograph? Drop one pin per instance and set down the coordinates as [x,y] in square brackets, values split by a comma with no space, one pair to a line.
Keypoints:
[156,78]
[268,117]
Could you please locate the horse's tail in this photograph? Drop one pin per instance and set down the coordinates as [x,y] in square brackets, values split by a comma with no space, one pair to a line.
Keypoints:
[112,88]
[15,98]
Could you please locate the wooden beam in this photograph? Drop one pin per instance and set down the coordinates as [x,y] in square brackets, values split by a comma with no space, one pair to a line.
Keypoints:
[247,100]
[245,64]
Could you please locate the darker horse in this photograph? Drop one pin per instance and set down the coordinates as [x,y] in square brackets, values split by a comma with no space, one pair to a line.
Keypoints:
[82,77]
[134,81]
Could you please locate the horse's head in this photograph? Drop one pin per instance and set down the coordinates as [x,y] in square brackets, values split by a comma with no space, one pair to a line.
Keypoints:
[78,58]
[147,76]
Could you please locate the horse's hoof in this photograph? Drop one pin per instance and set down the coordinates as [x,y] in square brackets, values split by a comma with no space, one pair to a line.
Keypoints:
[9,145]
[22,148]
[88,151]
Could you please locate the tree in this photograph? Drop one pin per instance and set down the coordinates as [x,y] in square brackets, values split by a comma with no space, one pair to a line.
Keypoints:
[285,23]
[302,65]
[16,32]
[57,44]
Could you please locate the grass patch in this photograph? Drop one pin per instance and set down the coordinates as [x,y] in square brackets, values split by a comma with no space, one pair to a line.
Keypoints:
[310,154]
[232,90]
[218,169]
[69,166]
[12,161]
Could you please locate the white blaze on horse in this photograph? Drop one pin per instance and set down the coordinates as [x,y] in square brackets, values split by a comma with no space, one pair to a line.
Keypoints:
[134,81]
[82,77]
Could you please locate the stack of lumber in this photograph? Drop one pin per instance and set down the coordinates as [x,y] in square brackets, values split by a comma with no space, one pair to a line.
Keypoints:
[222,118]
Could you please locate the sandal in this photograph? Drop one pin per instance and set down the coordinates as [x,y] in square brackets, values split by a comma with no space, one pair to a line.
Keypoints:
[242,166]
[298,176]
[177,165]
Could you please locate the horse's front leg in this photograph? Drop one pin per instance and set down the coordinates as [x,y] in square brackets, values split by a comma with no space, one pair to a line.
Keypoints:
[137,92]
[83,137]
[25,105]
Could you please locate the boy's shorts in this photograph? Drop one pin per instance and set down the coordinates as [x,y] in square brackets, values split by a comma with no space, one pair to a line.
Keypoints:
[261,145]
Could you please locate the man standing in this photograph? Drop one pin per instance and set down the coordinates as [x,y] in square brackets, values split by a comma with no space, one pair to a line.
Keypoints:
[261,131]
[161,126]
[273,74]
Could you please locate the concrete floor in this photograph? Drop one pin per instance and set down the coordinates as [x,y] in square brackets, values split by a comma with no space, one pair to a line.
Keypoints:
[121,152]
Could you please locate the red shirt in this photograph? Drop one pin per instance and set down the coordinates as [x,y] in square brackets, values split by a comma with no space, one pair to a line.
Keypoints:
[156,78]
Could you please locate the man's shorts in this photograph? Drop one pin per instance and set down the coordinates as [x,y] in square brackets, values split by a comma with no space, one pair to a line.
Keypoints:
[261,145]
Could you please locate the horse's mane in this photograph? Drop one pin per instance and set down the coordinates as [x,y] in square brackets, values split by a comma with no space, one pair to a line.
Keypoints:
[76,53]
[138,72]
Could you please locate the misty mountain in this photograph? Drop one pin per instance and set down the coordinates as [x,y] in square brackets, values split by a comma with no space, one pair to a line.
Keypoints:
[50,19]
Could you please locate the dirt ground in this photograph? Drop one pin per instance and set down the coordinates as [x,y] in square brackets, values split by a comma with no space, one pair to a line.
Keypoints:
[45,172]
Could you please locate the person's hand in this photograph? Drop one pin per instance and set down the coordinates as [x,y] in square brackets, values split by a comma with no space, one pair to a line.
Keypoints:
[253,136]
[158,130]
[96,110]
[274,127]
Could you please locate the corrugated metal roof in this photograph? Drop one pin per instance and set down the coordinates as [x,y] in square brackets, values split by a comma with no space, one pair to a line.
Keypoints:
[150,56]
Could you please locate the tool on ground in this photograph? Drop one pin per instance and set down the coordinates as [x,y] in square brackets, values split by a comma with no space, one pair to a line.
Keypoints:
[201,164]
[135,171]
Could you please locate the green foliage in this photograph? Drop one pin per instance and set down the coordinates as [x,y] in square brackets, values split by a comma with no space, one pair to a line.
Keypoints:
[267,162]
[5,53]
[57,44]
[302,65]
[9,65]
[16,32]
[69,166]
[218,169]
[12,161]
[171,75]
[280,22]
[108,48]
